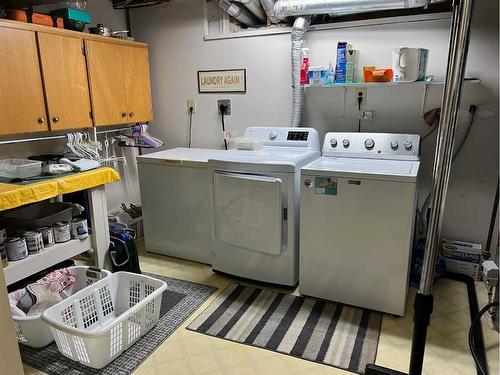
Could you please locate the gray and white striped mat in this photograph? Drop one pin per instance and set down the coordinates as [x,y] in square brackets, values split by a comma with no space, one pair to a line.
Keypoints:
[319,331]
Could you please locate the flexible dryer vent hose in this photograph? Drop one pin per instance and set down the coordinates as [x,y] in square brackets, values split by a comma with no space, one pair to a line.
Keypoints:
[300,27]
[311,7]
[238,12]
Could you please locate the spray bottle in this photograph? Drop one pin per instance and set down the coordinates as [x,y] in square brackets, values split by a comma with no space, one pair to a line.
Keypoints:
[304,79]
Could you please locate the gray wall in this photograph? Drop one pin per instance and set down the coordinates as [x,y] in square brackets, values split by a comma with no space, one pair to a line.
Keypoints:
[178,50]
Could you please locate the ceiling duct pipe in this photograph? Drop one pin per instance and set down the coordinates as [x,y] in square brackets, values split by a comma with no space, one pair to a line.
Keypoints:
[255,8]
[284,8]
[299,30]
[239,13]
[268,6]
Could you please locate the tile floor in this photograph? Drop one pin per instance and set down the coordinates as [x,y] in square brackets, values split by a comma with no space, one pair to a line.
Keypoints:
[186,352]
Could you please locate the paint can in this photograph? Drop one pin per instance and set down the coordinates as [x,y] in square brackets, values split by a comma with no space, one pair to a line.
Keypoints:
[48,236]
[79,228]
[34,242]
[16,248]
[3,250]
[62,231]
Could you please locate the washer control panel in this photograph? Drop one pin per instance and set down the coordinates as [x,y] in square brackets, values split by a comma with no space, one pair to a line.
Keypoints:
[372,145]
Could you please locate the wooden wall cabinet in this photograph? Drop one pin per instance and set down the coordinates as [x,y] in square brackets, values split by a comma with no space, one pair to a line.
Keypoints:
[119,83]
[54,79]
[65,80]
[22,106]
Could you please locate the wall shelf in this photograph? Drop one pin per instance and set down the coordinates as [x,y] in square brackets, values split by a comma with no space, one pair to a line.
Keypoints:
[389,84]
[21,269]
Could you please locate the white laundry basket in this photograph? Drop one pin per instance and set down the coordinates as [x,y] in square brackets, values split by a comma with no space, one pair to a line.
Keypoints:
[95,325]
[31,331]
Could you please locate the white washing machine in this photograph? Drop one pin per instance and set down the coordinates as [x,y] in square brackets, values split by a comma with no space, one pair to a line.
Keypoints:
[358,206]
[175,194]
[255,205]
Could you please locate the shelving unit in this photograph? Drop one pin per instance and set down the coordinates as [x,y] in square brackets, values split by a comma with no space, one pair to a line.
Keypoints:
[389,84]
[21,269]
[421,85]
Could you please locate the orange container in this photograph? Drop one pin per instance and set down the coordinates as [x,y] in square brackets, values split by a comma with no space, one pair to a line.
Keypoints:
[17,15]
[36,18]
[372,74]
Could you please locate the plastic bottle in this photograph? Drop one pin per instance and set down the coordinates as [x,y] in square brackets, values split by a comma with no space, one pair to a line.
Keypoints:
[304,79]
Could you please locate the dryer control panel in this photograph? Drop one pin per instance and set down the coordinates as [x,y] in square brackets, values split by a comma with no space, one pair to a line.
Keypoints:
[285,137]
[372,145]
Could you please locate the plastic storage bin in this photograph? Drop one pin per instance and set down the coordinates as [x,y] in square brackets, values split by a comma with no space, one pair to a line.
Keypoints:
[73,14]
[31,331]
[20,168]
[36,215]
[95,325]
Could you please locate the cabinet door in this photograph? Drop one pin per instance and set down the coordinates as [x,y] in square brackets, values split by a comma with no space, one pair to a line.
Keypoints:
[137,84]
[65,79]
[107,84]
[22,106]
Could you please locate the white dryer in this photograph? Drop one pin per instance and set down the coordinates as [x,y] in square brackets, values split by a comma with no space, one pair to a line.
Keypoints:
[357,213]
[255,205]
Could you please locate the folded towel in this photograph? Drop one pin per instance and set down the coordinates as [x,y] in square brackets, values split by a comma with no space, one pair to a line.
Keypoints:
[82,164]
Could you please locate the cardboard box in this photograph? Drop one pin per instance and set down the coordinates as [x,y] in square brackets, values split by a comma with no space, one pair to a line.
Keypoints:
[463,257]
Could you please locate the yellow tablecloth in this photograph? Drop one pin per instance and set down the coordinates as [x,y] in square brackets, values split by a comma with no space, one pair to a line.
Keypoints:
[12,195]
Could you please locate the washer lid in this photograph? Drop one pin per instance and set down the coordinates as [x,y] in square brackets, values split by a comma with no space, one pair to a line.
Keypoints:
[393,170]
[189,157]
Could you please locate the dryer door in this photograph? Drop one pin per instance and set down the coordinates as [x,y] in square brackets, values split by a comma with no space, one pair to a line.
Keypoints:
[248,211]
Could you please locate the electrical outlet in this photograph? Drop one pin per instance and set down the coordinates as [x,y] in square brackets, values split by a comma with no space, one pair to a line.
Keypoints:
[227,103]
[191,103]
[360,93]
[366,115]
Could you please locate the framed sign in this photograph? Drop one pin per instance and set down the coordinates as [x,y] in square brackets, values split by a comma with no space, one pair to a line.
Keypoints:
[230,80]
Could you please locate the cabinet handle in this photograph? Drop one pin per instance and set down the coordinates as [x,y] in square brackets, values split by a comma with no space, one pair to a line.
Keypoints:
[124,114]
[55,119]
[131,114]
[41,120]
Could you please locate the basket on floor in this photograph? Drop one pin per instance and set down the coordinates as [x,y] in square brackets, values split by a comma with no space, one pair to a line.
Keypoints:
[32,331]
[95,325]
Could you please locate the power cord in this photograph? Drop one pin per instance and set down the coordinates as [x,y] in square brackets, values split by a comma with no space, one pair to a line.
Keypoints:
[480,369]
[360,100]
[191,109]
[223,109]
[472,111]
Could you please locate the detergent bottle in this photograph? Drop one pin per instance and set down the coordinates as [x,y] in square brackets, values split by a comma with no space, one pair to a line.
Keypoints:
[304,79]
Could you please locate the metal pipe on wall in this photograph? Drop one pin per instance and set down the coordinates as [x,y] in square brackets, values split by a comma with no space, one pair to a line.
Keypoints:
[284,8]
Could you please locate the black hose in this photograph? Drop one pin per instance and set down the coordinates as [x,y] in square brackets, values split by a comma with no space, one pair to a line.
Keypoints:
[482,368]
[487,250]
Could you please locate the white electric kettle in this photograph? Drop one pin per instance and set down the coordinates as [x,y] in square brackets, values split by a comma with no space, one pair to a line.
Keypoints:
[409,64]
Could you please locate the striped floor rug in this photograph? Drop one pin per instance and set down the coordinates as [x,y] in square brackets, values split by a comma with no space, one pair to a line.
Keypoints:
[324,332]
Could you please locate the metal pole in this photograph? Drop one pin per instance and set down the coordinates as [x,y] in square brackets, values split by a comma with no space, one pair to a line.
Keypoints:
[457,57]
[459,41]
[53,137]
[422,307]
